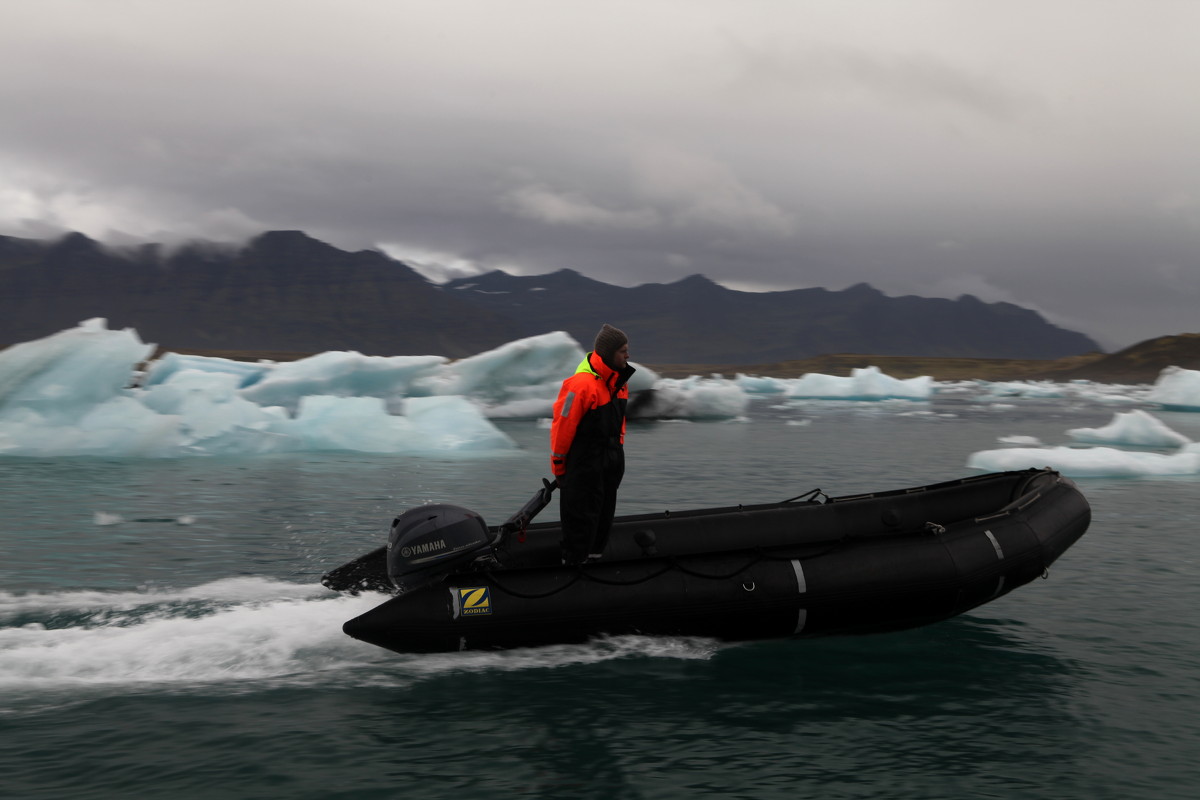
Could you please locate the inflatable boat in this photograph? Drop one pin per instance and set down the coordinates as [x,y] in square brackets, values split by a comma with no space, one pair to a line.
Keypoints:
[813,565]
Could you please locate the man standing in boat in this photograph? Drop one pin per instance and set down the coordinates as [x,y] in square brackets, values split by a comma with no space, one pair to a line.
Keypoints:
[587,445]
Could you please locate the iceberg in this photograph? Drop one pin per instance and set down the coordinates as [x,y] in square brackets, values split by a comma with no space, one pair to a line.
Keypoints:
[73,394]
[867,383]
[1177,389]
[79,392]
[518,379]
[1090,462]
[72,370]
[1129,429]
[1135,428]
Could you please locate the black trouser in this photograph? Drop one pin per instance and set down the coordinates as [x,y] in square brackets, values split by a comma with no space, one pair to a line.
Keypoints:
[587,501]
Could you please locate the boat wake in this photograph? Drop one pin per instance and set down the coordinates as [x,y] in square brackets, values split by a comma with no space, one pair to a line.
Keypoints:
[240,634]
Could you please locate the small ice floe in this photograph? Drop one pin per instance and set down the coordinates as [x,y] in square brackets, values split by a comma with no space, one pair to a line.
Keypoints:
[1132,428]
[866,384]
[1023,441]
[1090,462]
[1177,389]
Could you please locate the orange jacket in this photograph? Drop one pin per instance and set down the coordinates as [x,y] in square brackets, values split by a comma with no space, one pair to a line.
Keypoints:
[594,386]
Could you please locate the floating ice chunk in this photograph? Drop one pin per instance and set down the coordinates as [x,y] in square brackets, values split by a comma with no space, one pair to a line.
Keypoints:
[1028,441]
[520,379]
[868,383]
[645,378]
[430,425]
[214,418]
[64,374]
[1109,395]
[454,424]
[1177,389]
[66,394]
[341,374]
[1089,461]
[690,398]
[531,408]
[166,366]
[169,396]
[119,427]
[753,384]
[1027,389]
[518,370]
[1136,428]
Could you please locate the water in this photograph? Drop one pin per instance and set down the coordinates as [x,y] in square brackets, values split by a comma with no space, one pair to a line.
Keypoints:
[187,650]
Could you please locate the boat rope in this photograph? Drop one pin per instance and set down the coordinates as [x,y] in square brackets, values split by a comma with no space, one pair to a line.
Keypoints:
[809,496]
[531,595]
[754,560]
[756,557]
[635,582]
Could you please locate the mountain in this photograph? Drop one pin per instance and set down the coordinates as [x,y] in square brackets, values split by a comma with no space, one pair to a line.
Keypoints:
[286,291]
[697,321]
[283,291]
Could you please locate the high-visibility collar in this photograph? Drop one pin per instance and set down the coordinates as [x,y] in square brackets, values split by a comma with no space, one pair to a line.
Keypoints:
[598,368]
[601,370]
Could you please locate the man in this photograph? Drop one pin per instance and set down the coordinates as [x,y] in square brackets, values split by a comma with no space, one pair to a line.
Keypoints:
[587,438]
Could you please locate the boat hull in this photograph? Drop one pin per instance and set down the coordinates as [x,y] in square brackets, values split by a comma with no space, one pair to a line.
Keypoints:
[846,566]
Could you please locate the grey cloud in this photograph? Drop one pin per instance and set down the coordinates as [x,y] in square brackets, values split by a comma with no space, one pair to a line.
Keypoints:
[934,148]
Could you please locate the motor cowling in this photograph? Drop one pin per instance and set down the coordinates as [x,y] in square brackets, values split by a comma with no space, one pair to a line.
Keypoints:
[427,542]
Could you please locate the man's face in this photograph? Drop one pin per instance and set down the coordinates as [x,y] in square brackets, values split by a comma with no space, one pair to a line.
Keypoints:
[620,359]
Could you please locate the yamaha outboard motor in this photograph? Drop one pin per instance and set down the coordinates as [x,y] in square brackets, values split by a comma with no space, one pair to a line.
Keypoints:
[429,541]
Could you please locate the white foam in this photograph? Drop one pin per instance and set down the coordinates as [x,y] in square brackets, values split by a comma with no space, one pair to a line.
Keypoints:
[238,642]
[243,630]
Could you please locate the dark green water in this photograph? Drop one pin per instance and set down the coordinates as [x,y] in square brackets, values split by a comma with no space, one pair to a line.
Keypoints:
[152,658]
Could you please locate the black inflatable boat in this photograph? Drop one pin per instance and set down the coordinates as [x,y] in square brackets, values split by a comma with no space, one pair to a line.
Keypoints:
[813,565]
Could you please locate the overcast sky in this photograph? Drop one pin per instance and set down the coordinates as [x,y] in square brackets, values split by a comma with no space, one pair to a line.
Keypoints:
[1042,152]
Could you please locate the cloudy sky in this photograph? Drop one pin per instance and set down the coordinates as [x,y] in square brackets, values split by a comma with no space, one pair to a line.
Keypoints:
[1042,152]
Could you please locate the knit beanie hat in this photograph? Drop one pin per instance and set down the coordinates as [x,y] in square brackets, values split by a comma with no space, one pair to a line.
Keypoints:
[608,341]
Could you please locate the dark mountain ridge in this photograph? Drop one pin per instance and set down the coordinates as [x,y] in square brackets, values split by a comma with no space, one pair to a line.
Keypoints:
[698,321]
[285,291]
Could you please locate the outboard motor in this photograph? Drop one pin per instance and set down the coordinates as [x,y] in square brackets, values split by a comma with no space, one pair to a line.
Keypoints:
[429,541]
